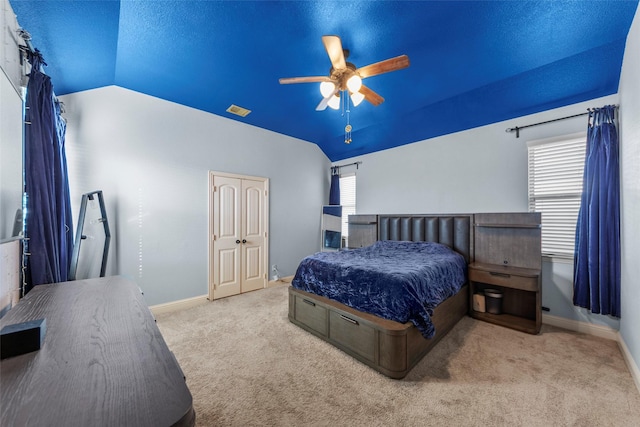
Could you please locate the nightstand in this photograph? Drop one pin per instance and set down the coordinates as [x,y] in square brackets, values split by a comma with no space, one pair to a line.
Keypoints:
[521,301]
[363,231]
[508,258]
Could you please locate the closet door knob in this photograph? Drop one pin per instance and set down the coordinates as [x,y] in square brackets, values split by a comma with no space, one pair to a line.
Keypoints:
[244,240]
[237,242]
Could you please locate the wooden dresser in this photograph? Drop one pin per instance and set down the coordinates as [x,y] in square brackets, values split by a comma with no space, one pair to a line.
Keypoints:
[103,361]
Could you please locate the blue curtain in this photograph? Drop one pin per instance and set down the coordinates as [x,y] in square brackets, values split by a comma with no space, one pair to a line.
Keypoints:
[48,225]
[596,276]
[334,191]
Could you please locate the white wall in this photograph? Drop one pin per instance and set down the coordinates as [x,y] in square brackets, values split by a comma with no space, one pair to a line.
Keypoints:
[151,159]
[478,170]
[10,121]
[10,155]
[9,42]
[630,170]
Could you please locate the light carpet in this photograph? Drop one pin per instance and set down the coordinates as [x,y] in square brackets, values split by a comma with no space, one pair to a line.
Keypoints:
[247,365]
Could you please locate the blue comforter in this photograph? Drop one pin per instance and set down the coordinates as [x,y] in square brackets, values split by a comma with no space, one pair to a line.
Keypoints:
[401,281]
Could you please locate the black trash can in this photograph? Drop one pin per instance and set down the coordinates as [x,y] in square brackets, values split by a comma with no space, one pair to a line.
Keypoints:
[493,298]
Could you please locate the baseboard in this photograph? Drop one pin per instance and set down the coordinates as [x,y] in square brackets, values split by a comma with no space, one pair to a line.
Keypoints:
[178,305]
[586,328]
[281,281]
[599,331]
[195,301]
[631,364]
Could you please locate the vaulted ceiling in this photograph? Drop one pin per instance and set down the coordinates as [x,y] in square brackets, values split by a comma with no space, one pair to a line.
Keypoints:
[472,62]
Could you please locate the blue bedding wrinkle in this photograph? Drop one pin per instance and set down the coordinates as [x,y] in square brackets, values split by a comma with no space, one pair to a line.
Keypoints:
[401,281]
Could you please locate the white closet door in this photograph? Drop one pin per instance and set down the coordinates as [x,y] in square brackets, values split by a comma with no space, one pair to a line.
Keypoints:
[239,240]
[227,238]
[253,239]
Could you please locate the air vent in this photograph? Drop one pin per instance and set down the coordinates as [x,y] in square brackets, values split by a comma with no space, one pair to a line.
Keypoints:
[238,111]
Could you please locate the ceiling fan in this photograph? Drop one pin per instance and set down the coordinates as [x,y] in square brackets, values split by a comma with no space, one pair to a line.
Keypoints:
[344,76]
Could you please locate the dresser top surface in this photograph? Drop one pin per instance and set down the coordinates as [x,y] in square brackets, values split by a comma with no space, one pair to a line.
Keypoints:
[103,360]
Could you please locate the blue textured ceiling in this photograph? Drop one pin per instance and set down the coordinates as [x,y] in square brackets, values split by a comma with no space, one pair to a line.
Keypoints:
[472,63]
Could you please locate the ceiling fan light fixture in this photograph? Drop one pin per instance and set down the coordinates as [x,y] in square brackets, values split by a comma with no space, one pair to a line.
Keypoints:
[327,88]
[354,83]
[356,98]
[334,102]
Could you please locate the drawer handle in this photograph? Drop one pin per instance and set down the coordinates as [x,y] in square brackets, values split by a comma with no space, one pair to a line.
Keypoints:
[348,319]
[309,302]
[493,273]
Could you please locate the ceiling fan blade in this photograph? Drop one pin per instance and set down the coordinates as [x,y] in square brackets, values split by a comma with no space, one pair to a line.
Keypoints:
[323,104]
[371,96]
[325,101]
[333,45]
[386,66]
[312,79]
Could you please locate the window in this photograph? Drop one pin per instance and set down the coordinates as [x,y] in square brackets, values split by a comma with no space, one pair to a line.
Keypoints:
[347,200]
[555,187]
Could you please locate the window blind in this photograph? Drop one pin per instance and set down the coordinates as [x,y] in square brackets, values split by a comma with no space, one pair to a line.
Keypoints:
[347,199]
[555,188]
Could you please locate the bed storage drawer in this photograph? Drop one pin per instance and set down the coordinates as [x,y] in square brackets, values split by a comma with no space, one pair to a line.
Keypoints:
[312,314]
[389,347]
[353,335]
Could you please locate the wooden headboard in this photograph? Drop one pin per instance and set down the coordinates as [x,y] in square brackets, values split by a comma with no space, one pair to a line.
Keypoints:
[454,231]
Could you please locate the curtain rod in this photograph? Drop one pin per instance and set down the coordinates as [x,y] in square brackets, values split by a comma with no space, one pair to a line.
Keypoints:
[348,164]
[27,39]
[28,48]
[517,129]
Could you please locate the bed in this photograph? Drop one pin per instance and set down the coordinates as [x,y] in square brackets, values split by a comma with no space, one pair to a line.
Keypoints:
[364,329]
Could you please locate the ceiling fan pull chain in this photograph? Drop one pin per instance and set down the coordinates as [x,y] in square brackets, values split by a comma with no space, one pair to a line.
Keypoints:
[347,128]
